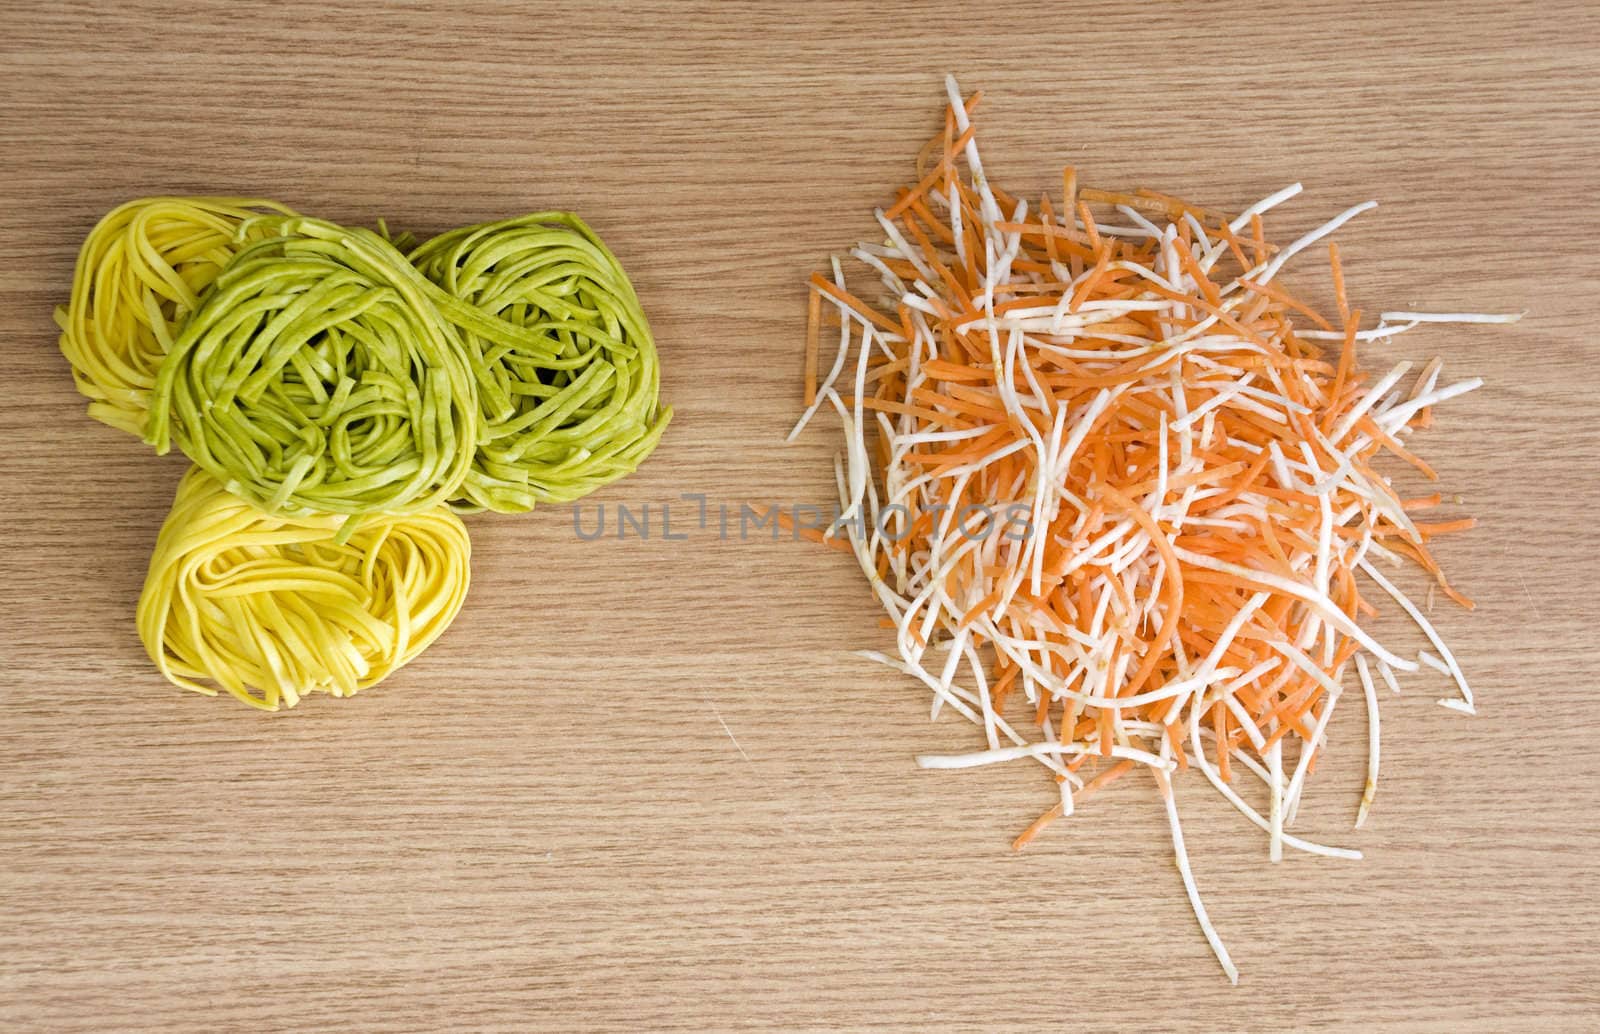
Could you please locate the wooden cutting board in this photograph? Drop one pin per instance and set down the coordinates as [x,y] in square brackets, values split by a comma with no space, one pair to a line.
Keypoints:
[644,784]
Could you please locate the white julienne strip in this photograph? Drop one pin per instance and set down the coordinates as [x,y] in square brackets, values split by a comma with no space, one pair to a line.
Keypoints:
[865,553]
[1371,693]
[1229,633]
[1308,751]
[963,703]
[1034,750]
[954,208]
[1219,399]
[975,664]
[905,251]
[1299,659]
[891,280]
[988,209]
[1063,788]
[1266,204]
[1388,677]
[1465,703]
[860,463]
[1372,395]
[1391,419]
[1270,270]
[1244,809]
[1454,317]
[967,704]
[1202,241]
[1050,322]
[1159,497]
[1275,810]
[1151,228]
[1278,400]
[1330,611]
[1381,332]
[1324,524]
[1188,878]
[921,305]
[968,469]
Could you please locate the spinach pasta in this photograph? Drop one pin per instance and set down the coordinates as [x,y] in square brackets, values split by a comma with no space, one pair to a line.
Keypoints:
[567,373]
[318,376]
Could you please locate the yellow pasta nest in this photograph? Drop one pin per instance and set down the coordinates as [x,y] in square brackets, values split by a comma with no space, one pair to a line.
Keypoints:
[139,276]
[272,607]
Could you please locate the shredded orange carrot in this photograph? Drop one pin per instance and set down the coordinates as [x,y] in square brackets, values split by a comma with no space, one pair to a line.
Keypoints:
[1338,282]
[1105,778]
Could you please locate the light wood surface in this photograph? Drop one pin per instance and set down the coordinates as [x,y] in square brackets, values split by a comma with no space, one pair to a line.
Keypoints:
[644,785]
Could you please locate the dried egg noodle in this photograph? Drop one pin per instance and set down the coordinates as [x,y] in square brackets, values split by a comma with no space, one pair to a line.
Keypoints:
[139,276]
[270,608]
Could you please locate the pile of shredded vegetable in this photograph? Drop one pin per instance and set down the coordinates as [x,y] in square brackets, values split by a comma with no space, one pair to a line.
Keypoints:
[1097,459]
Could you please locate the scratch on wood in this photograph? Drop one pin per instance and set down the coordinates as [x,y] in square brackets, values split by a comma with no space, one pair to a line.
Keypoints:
[727,730]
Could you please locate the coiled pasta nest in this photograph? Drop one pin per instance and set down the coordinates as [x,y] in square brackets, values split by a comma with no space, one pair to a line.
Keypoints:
[566,368]
[317,376]
[270,608]
[140,274]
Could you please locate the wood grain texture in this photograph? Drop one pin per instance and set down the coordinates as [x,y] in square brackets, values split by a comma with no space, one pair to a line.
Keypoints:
[644,785]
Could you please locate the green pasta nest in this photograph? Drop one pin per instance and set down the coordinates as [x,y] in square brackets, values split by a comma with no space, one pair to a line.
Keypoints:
[570,404]
[317,376]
